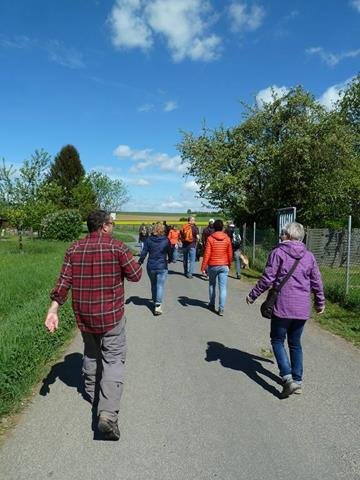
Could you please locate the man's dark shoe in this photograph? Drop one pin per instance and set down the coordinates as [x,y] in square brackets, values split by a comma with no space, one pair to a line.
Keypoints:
[109,428]
[211,307]
[289,388]
[238,276]
[189,276]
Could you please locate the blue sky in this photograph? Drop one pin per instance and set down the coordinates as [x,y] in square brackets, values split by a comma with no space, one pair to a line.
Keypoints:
[120,79]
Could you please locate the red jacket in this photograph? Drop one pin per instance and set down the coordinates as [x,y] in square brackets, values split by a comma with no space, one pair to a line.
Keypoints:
[218,251]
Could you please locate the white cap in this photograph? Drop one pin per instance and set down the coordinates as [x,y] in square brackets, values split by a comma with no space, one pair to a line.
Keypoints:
[211,220]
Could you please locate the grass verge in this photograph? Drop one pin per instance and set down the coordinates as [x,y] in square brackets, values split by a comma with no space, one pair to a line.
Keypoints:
[25,346]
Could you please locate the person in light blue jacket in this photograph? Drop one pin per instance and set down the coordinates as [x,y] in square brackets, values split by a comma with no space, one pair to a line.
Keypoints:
[158,248]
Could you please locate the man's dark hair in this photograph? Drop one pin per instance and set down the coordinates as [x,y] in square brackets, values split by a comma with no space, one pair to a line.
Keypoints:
[218,225]
[96,220]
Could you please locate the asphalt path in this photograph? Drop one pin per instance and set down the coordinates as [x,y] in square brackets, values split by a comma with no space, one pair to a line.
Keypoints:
[193,409]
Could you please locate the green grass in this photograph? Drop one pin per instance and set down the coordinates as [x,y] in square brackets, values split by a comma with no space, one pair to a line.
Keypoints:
[25,346]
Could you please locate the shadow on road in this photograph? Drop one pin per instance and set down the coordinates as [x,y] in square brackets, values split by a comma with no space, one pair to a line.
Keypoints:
[193,302]
[68,371]
[244,362]
[140,302]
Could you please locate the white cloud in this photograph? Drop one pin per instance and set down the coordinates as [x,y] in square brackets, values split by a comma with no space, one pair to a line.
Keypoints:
[244,17]
[268,94]
[65,56]
[332,94]
[191,185]
[147,107]
[148,159]
[332,59]
[355,4]
[139,182]
[170,106]
[183,24]
[129,30]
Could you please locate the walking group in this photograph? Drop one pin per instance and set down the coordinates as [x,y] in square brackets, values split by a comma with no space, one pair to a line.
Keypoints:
[95,267]
[217,245]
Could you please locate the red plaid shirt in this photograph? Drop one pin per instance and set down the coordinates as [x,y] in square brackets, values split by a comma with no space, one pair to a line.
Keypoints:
[94,268]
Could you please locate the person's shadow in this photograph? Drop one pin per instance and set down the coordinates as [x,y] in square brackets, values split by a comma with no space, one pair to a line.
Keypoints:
[193,302]
[69,371]
[245,362]
[140,302]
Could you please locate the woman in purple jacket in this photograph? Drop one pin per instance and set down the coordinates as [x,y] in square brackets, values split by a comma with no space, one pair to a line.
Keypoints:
[293,303]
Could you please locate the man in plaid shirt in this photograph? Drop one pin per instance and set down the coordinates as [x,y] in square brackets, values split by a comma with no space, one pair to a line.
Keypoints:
[94,268]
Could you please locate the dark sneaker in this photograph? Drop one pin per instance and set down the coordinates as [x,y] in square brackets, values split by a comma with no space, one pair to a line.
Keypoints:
[109,428]
[189,276]
[238,276]
[221,312]
[211,307]
[289,388]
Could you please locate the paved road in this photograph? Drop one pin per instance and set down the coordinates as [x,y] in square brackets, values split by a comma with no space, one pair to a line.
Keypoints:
[186,418]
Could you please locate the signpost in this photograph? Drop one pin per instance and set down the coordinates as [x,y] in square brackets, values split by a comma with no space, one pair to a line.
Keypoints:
[284,216]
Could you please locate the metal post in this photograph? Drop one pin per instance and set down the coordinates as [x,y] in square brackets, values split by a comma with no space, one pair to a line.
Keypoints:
[348,258]
[254,240]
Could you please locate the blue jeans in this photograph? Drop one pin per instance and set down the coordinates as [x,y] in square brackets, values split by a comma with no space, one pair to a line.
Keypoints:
[174,253]
[280,328]
[219,272]
[157,281]
[237,261]
[189,254]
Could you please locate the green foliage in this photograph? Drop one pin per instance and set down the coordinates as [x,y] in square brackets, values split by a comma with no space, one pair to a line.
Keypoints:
[110,194]
[63,225]
[66,172]
[25,346]
[84,198]
[288,152]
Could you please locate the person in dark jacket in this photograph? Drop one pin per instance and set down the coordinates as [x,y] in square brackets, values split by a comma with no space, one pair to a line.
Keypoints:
[293,304]
[143,235]
[235,239]
[158,247]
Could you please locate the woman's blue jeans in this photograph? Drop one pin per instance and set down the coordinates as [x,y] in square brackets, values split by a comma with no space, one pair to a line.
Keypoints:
[157,281]
[219,272]
[280,328]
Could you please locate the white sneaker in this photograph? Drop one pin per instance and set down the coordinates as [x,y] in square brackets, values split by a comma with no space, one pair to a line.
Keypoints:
[158,310]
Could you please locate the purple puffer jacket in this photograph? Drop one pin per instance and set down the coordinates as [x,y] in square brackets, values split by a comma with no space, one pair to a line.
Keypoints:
[294,298]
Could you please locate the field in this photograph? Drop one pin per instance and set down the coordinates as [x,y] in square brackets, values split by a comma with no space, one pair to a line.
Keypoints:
[137,218]
[25,346]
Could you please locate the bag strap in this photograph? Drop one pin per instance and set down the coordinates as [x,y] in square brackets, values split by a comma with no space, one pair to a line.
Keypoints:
[288,275]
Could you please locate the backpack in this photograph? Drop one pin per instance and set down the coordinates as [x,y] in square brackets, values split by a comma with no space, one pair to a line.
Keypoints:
[236,238]
[186,233]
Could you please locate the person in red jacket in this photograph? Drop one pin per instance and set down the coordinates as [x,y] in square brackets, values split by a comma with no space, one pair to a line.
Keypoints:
[217,260]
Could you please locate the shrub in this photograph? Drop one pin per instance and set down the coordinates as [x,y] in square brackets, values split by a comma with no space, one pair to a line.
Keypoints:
[63,225]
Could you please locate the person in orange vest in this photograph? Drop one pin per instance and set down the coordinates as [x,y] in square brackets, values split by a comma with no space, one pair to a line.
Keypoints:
[174,238]
[217,260]
[189,237]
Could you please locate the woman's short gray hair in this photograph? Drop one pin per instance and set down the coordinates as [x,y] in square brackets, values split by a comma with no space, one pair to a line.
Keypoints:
[294,231]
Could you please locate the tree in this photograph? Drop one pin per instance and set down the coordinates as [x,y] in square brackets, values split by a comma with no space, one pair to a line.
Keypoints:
[288,152]
[67,172]
[110,194]
[24,194]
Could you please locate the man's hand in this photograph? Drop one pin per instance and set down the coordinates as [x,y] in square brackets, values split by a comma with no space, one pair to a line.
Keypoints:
[320,310]
[52,319]
[249,300]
